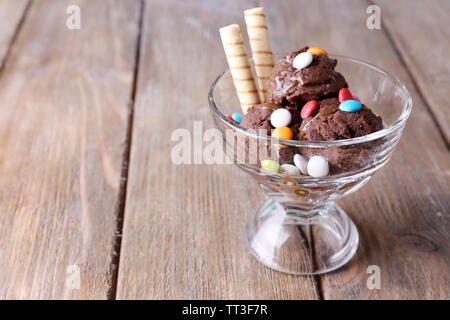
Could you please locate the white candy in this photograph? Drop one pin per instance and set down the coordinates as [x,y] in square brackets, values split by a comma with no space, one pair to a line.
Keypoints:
[318,167]
[302,60]
[280,118]
[290,169]
[301,164]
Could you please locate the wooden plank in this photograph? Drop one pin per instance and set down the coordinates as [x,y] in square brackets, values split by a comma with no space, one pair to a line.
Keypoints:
[421,32]
[64,97]
[11,13]
[403,213]
[183,230]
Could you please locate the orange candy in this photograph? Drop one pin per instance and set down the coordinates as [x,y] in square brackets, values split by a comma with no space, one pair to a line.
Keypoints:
[317,51]
[282,133]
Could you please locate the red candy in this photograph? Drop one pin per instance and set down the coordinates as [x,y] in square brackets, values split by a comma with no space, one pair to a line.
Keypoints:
[232,120]
[344,95]
[308,109]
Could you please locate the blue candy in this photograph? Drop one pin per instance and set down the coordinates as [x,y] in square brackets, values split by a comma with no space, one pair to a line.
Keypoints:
[350,106]
[237,117]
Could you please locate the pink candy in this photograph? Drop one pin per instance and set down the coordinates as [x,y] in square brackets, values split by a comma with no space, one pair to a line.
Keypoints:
[345,94]
[308,109]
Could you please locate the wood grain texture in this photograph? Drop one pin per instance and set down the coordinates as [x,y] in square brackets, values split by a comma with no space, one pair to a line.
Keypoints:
[183,230]
[403,214]
[64,103]
[421,32]
[64,99]
[11,13]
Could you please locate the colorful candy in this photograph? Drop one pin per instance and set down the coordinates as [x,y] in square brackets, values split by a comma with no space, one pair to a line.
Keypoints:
[301,164]
[290,169]
[230,118]
[280,118]
[237,117]
[308,109]
[270,165]
[369,107]
[344,95]
[282,133]
[317,51]
[318,167]
[302,60]
[350,106]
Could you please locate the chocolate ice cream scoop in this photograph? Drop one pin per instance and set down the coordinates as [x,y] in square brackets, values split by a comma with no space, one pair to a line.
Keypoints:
[330,123]
[289,85]
[258,118]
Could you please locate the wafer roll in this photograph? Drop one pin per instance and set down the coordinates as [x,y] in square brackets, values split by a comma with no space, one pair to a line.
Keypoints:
[258,34]
[241,72]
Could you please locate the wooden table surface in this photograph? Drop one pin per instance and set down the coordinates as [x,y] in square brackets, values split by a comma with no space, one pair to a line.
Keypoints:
[86,180]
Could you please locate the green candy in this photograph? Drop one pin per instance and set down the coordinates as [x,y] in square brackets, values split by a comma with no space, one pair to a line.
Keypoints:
[270,165]
[369,107]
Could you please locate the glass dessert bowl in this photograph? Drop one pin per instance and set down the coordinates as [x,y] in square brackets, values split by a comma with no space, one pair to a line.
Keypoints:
[300,230]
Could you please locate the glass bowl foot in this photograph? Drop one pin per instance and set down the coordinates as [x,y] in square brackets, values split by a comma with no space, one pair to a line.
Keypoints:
[293,240]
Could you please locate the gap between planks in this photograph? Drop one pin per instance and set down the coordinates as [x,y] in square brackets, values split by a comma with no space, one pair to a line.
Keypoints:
[397,51]
[15,36]
[318,278]
[121,200]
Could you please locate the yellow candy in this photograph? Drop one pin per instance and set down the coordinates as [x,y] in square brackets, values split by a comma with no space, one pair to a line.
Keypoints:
[282,133]
[317,51]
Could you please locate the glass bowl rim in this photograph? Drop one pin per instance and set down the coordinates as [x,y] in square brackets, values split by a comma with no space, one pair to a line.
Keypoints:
[398,123]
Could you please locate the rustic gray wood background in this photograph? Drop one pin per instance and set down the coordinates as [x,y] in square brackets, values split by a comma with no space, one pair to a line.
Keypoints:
[85,173]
